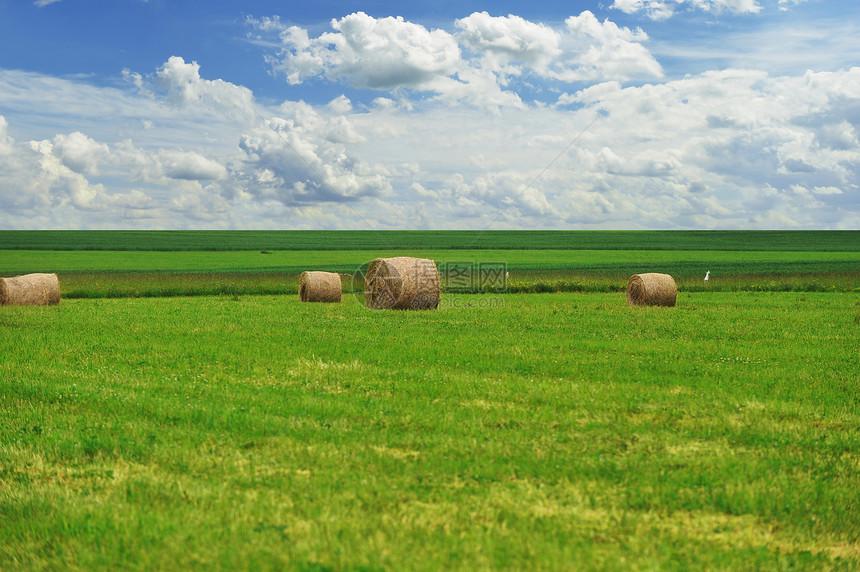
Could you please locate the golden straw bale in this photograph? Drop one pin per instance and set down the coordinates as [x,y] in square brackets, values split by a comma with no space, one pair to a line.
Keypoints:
[316,286]
[402,283]
[651,289]
[30,290]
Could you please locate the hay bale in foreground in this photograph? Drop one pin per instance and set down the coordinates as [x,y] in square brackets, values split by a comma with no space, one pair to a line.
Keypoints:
[651,289]
[402,283]
[318,286]
[30,290]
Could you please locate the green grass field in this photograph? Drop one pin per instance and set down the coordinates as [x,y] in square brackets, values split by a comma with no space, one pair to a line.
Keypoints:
[541,432]
[182,409]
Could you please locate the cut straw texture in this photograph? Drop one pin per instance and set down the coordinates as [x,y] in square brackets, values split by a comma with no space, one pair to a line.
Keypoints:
[30,290]
[319,286]
[651,289]
[402,283]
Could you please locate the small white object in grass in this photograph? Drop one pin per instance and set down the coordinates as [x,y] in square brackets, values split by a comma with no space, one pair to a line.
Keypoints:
[707,275]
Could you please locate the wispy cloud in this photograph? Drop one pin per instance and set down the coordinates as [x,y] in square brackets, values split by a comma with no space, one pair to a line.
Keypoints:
[663,9]
[786,44]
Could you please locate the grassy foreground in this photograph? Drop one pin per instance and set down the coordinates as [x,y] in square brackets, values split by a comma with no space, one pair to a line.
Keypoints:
[542,432]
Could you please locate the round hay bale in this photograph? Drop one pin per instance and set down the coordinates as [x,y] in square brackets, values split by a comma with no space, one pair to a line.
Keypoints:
[402,283]
[651,289]
[30,290]
[320,287]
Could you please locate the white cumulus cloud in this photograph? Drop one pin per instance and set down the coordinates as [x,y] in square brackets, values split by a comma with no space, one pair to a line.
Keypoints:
[368,52]
[181,82]
[507,39]
[475,64]
[178,164]
[80,153]
[603,50]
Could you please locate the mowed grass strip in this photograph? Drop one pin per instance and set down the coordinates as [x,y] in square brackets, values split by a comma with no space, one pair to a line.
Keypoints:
[682,262]
[101,284]
[101,274]
[76,285]
[536,432]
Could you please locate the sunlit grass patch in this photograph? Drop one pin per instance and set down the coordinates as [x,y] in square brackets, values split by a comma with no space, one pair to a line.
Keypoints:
[553,431]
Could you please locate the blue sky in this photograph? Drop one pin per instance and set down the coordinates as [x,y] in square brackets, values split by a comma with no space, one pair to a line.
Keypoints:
[620,114]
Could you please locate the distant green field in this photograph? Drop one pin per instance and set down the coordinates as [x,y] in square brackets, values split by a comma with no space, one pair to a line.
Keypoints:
[843,241]
[171,273]
[516,432]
